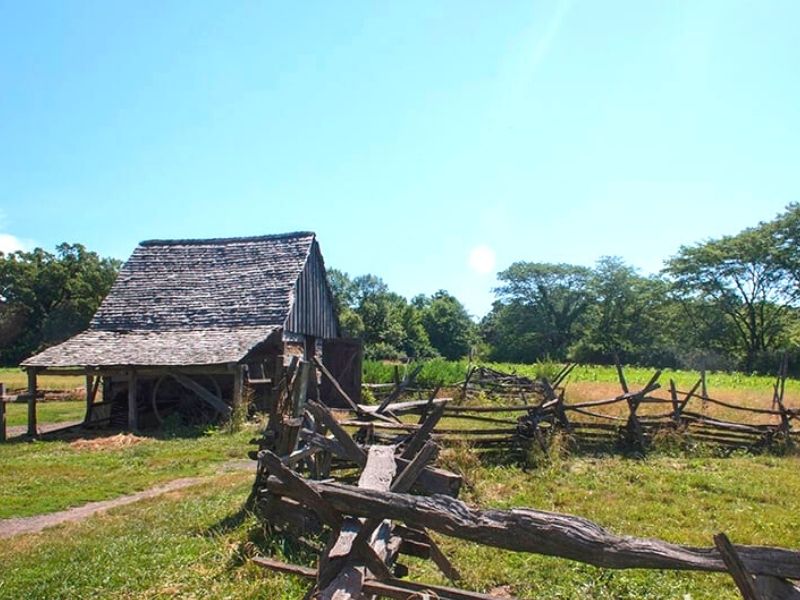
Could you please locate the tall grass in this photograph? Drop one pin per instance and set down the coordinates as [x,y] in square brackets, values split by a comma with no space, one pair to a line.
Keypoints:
[452,372]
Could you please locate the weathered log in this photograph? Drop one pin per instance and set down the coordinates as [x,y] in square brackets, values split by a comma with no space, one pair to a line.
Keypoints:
[541,532]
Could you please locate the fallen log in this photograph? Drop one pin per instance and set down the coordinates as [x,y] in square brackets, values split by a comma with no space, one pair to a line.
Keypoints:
[540,532]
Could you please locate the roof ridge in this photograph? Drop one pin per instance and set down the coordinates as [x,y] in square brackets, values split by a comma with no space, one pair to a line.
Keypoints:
[228,240]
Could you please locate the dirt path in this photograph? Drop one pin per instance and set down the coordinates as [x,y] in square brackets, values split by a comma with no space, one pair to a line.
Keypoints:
[20,430]
[36,523]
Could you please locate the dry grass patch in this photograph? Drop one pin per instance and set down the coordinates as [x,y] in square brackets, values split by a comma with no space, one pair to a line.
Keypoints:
[112,442]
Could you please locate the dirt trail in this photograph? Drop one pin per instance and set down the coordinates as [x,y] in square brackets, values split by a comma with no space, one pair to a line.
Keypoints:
[36,523]
[21,430]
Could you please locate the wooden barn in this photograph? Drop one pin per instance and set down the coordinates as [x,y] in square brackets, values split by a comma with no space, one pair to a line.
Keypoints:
[190,326]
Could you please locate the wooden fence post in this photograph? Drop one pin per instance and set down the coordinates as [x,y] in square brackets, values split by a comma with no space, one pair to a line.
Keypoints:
[2,412]
[33,430]
[703,389]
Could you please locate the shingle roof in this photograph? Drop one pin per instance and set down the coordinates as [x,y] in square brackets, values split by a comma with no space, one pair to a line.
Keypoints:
[183,302]
[97,348]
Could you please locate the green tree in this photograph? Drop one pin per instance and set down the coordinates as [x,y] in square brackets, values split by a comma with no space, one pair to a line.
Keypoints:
[540,309]
[344,293]
[747,277]
[45,298]
[448,325]
[388,325]
[626,318]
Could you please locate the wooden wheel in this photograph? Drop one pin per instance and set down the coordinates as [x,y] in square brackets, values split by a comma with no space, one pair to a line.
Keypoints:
[171,398]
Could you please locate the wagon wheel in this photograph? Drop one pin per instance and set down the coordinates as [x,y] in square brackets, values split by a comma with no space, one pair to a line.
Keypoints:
[170,397]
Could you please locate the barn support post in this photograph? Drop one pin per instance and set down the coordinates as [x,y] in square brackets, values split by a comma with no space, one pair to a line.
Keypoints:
[92,384]
[133,409]
[2,412]
[238,386]
[33,430]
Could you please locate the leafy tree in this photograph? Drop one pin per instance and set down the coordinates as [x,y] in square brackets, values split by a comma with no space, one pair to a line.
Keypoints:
[447,323]
[45,298]
[747,277]
[542,305]
[344,293]
[627,317]
[388,325]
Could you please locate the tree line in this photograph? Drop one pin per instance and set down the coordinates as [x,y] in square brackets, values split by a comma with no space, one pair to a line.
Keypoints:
[727,303]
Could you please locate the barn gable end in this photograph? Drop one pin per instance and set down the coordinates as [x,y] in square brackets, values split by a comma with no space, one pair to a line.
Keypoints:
[312,311]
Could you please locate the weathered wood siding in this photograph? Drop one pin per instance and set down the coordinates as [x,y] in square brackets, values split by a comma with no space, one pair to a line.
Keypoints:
[312,310]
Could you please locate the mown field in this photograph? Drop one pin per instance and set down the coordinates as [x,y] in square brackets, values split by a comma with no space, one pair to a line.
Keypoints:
[195,542]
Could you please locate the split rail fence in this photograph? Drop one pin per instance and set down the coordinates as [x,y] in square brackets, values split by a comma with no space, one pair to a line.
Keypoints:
[399,498]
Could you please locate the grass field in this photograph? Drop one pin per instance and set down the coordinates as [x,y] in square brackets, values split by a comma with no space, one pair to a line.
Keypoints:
[46,476]
[58,411]
[195,542]
[450,372]
[17,380]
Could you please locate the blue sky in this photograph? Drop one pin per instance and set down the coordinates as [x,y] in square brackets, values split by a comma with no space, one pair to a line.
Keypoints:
[405,134]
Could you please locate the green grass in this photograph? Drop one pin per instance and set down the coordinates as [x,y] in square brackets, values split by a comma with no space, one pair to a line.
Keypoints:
[187,544]
[57,411]
[451,372]
[195,542]
[17,379]
[46,476]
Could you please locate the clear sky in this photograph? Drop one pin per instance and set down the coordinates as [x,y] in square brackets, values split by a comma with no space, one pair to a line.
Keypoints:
[430,143]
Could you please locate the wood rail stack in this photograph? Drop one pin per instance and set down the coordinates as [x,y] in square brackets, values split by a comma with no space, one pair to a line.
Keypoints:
[399,498]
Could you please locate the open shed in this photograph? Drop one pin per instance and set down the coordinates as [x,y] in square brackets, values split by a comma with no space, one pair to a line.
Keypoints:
[190,323]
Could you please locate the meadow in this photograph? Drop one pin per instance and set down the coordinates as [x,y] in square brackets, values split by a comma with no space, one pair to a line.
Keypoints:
[195,542]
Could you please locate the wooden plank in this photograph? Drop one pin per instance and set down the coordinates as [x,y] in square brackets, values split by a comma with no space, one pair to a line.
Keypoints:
[324,370]
[411,472]
[399,389]
[435,553]
[191,385]
[348,581]
[424,432]
[298,488]
[352,450]
[744,581]
[430,481]
[541,532]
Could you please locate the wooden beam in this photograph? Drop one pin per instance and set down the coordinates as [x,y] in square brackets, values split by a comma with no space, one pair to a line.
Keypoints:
[424,432]
[33,429]
[338,579]
[92,383]
[352,450]
[541,532]
[133,408]
[202,393]
[324,370]
[299,488]
[431,480]
[238,386]
[744,581]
